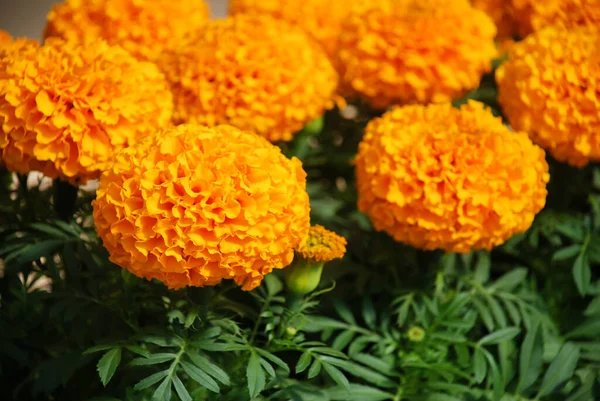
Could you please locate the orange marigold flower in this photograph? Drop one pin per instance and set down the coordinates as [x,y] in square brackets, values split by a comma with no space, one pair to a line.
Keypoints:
[193,205]
[144,28]
[533,15]
[256,73]
[5,37]
[550,88]
[407,51]
[437,177]
[321,19]
[322,245]
[66,108]
[501,12]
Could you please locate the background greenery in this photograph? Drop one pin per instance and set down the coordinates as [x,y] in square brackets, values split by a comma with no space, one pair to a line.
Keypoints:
[388,322]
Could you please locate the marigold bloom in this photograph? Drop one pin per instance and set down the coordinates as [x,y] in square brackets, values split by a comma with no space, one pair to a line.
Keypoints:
[321,19]
[66,108]
[408,51]
[322,245]
[144,28]
[5,37]
[550,88]
[193,205]
[501,12]
[436,177]
[256,73]
[533,15]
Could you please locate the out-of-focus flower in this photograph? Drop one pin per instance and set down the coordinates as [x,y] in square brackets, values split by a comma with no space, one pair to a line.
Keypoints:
[416,334]
[66,108]
[321,19]
[322,245]
[192,205]
[4,37]
[550,88]
[407,51]
[256,73]
[500,11]
[436,177]
[533,15]
[145,28]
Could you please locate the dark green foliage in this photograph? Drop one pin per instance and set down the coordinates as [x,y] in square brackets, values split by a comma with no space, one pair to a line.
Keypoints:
[388,322]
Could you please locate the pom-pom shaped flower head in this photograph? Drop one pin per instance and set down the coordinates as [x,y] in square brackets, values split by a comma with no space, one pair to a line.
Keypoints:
[256,73]
[193,205]
[145,28]
[436,177]
[500,11]
[66,108]
[550,88]
[319,246]
[533,15]
[321,19]
[416,51]
[5,37]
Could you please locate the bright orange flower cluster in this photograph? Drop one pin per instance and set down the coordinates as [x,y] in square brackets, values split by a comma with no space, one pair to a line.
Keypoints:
[321,19]
[5,37]
[192,205]
[144,28]
[550,88]
[322,245]
[256,73]
[66,108]
[533,15]
[436,177]
[501,13]
[407,51]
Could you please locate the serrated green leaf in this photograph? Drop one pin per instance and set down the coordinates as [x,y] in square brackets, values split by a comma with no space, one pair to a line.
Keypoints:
[462,354]
[441,397]
[403,312]
[497,312]
[499,336]
[484,313]
[180,389]
[593,308]
[479,366]
[342,340]
[566,253]
[48,229]
[107,365]
[513,312]
[273,358]
[255,375]
[267,367]
[497,381]
[358,371]
[207,366]
[375,363]
[33,252]
[303,362]
[136,349]
[315,369]
[582,273]
[153,359]
[449,337]
[150,380]
[357,392]
[344,312]
[200,377]
[560,370]
[98,348]
[510,280]
[530,360]
[456,305]
[163,392]
[369,313]
[336,375]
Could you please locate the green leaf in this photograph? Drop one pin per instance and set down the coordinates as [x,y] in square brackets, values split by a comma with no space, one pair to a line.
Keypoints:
[48,229]
[358,371]
[497,381]
[479,366]
[357,392]
[153,359]
[274,285]
[513,312]
[566,253]
[163,392]
[560,370]
[150,380]
[462,354]
[303,362]
[336,375]
[593,308]
[107,365]
[375,363]
[273,358]
[343,339]
[344,312]
[590,328]
[98,348]
[450,337]
[510,280]
[484,313]
[531,358]
[482,268]
[138,350]
[33,252]
[207,366]
[500,336]
[315,369]
[369,314]
[200,377]
[180,389]
[497,311]
[403,312]
[456,305]
[441,397]
[582,273]
[255,375]
[267,367]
